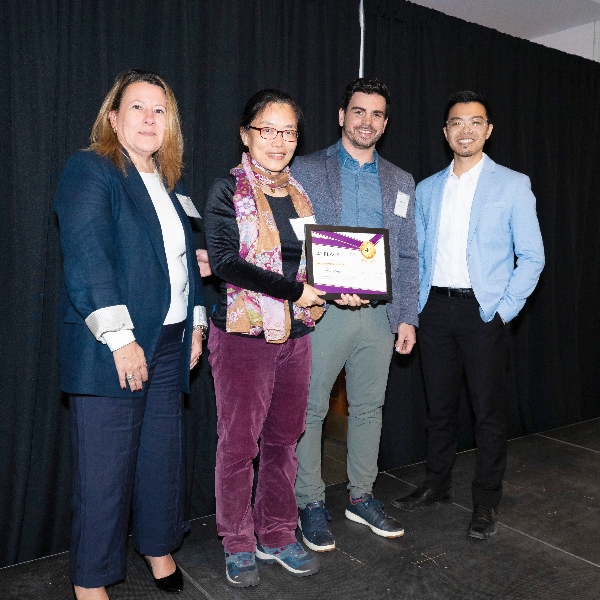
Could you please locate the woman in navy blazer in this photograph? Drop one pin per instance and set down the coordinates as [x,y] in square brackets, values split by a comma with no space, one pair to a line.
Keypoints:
[132,326]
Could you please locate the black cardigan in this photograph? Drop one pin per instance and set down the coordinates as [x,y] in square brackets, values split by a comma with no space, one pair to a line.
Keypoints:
[223,245]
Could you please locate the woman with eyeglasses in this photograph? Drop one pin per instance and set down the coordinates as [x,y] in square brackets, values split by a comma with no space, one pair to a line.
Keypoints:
[260,352]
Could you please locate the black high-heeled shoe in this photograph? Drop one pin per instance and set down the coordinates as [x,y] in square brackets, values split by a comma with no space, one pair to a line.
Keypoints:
[172,584]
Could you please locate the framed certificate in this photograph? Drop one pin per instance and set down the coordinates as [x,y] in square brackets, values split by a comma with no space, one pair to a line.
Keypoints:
[349,260]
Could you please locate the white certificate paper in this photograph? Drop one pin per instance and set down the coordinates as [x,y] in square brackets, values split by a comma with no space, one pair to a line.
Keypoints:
[349,260]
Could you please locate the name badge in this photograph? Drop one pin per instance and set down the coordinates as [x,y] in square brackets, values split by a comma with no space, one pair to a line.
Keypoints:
[188,206]
[401,204]
[299,223]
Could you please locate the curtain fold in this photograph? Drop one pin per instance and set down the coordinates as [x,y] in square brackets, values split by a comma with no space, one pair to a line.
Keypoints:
[58,60]
[546,124]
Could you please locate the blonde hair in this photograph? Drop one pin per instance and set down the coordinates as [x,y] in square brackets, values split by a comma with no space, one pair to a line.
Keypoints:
[169,157]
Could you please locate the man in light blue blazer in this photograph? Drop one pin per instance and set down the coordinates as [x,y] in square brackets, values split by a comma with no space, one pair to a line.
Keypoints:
[473,218]
[350,184]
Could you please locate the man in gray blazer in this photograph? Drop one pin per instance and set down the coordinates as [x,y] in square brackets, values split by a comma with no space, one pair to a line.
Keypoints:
[473,219]
[350,184]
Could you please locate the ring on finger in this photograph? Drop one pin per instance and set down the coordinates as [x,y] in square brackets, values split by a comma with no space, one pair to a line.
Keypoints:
[129,377]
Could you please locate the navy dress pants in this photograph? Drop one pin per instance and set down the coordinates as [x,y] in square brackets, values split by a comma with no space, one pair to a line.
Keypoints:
[128,449]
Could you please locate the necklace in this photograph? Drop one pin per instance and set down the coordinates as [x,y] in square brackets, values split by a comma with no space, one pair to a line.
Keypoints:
[269,182]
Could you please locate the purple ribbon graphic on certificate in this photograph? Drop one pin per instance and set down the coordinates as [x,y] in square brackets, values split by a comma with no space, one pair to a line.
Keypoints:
[349,260]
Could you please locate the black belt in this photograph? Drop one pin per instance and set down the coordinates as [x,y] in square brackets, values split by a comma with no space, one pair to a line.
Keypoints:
[453,292]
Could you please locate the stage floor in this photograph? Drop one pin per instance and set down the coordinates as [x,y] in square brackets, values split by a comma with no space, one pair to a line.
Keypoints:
[547,546]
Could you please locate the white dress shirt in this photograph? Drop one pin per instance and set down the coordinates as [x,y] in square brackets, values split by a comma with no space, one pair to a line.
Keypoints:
[451,269]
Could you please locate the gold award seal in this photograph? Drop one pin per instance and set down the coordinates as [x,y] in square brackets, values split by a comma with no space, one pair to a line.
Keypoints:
[368,250]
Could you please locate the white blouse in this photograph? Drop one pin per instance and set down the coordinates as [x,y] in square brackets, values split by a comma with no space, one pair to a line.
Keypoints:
[175,250]
[174,241]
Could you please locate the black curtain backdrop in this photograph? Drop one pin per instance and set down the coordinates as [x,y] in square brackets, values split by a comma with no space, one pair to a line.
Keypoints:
[58,60]
[546,124]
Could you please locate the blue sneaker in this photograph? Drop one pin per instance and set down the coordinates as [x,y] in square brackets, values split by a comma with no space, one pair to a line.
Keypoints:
[292,558]
[313,522]
[369,511]
[241,569]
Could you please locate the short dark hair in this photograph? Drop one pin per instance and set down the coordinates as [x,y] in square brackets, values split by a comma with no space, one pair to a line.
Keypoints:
[366,86]
[464,98]
[259,101]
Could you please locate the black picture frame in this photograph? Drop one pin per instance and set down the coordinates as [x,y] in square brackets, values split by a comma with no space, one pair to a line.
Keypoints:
[365,293]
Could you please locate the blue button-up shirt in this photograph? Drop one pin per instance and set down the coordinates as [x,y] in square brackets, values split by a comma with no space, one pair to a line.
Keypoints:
[361,192]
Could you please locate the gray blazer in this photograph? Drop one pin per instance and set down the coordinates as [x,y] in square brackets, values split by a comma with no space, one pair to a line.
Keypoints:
[320,175]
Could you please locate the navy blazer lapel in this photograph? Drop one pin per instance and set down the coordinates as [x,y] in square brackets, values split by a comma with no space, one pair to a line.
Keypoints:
[334,175]
[187,228]
[137,191]
[482,191]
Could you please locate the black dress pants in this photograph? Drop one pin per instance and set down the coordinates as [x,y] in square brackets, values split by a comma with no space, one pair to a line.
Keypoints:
[453,339]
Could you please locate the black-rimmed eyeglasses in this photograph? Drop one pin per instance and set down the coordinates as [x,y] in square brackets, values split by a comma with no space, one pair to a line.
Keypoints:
[270,133]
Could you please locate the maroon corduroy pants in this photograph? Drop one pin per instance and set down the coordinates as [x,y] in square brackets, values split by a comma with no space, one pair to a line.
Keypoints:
[262,392]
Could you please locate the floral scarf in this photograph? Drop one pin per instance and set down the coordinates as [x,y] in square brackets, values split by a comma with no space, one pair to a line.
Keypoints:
[252,312]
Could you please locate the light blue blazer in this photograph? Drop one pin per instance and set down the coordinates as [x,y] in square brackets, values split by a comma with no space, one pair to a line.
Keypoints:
[503,225]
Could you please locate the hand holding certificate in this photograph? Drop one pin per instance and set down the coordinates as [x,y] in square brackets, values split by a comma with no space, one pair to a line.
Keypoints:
[349,260]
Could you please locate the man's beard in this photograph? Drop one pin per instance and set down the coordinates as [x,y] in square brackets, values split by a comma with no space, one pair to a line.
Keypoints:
[465,153]
[357,142]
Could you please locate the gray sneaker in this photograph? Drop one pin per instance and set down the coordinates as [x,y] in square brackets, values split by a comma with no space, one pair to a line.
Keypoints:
[241,569]
[293,558]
